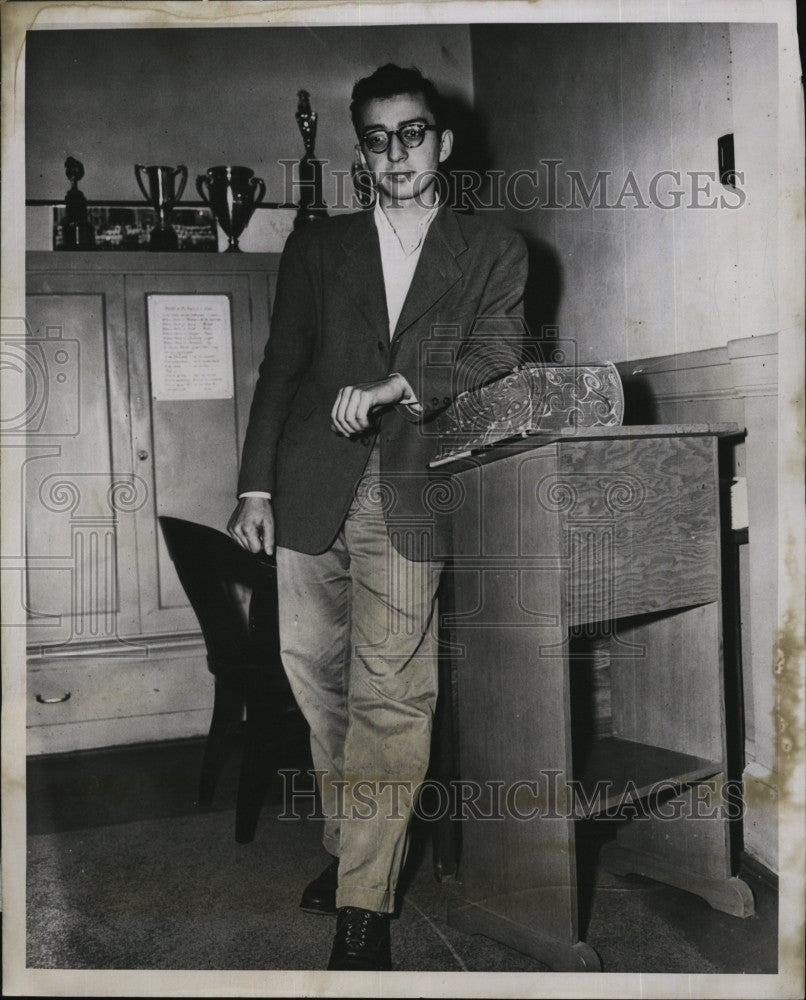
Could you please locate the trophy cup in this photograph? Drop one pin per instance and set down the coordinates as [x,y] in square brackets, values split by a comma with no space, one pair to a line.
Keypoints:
[77,232]
[311,204]
[162,195]
[233,193]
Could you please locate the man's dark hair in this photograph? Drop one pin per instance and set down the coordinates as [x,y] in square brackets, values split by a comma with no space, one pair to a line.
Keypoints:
[391,81]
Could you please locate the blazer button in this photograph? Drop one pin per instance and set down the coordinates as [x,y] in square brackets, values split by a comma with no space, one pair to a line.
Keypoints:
[435,401]
[447,400]
[382,346]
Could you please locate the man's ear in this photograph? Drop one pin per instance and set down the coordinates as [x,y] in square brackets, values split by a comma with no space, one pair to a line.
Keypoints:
[359,156]
[445,145]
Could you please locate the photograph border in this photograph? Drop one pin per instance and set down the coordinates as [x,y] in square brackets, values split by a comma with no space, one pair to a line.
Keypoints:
[17,19]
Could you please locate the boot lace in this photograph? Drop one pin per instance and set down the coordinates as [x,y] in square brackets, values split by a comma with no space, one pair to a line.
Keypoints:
[357,924]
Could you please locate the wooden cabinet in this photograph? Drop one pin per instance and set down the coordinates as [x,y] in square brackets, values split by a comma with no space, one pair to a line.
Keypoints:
[606,541]
[114,651]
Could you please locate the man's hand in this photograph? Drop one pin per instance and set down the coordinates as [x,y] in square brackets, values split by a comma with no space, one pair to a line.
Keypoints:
[352,411]
[252,524]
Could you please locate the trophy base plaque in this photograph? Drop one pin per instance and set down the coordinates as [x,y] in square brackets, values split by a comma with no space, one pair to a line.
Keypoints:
[163,239]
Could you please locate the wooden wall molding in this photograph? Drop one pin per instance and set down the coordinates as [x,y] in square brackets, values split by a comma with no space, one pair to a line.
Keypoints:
[145,262]
[737,382]
[746,367]
[137,647]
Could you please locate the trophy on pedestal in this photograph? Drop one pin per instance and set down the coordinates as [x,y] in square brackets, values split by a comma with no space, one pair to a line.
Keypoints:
[233,193]
[162,195]
[311,202]
[77,232]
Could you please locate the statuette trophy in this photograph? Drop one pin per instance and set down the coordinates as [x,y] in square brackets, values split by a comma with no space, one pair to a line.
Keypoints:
[77,232]
[311,202]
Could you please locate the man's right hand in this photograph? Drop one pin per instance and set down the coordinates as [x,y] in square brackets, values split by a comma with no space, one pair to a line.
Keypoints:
[252,524]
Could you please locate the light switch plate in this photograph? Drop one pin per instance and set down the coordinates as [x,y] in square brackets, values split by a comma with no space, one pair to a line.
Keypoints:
[727,160]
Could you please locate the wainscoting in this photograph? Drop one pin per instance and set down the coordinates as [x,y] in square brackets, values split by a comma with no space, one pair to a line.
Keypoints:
[736,383]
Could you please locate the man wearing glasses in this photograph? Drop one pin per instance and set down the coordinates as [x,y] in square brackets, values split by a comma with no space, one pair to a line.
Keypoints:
[381,318]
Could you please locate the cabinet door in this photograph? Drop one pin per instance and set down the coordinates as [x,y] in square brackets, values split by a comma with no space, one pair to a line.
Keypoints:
[77,475]
[186,451]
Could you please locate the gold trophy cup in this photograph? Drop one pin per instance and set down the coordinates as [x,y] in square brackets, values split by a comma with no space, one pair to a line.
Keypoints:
[233,194]
[162,194]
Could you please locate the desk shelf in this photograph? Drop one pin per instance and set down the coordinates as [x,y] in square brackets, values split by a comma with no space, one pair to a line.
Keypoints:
[633,771]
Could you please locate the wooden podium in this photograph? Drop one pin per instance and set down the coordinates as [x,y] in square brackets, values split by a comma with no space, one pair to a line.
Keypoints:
[605,539]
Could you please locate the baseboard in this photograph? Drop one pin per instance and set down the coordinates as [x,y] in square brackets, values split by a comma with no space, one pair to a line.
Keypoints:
[761,871]
[89,753]
[105,786]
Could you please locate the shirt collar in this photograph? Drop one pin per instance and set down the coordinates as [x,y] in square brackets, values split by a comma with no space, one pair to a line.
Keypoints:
[387,231]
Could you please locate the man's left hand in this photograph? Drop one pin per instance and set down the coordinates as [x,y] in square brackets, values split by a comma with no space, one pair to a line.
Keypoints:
[352,411]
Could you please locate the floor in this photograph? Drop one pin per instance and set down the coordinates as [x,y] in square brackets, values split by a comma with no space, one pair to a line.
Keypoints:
[125,872]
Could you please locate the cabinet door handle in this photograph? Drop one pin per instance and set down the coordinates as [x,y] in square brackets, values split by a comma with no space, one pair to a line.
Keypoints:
[57,700]
[142,454]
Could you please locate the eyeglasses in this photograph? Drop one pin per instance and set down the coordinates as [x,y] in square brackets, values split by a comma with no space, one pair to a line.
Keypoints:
[411,135]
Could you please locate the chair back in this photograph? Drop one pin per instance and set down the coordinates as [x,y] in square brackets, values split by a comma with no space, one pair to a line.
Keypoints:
[233,594]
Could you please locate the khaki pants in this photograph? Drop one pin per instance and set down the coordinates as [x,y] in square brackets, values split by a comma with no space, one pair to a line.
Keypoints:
[358,637]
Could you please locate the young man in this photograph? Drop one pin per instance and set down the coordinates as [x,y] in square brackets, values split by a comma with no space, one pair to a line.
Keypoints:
[381,318]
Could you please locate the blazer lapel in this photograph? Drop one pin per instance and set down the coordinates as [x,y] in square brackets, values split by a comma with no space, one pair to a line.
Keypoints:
[437,270]
[361,272]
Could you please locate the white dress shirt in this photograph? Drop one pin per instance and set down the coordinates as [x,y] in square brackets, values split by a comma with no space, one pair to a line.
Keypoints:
[399,256]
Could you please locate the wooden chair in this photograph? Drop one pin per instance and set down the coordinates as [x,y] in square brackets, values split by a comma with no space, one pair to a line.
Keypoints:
[446,836]
[234,596]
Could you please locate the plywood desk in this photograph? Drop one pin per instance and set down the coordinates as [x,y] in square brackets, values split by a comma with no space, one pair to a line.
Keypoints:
[611,534]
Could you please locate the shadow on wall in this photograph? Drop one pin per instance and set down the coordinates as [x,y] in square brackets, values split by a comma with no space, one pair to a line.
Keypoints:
[472,157]
[541,300]
[640,406]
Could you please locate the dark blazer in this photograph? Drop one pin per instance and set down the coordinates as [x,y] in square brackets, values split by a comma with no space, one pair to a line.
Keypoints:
[461,325]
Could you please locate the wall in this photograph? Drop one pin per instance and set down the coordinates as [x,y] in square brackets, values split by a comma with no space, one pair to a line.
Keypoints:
[208,96]
[637,281]
[650,284]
